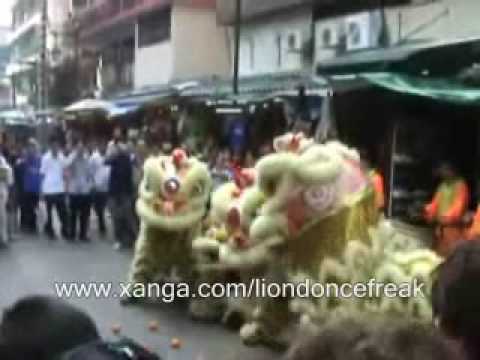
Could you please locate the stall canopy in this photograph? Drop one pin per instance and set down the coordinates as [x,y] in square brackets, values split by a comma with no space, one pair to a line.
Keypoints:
[445,58]
[447,90]
[14,117]
[259,88]
[132,101]
[122,104]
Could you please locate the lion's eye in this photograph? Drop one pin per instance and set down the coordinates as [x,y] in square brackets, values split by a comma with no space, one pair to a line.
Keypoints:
[148,185]
[271,187]
[198,189]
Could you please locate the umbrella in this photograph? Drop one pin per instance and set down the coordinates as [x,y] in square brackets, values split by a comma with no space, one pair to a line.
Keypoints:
[91,105]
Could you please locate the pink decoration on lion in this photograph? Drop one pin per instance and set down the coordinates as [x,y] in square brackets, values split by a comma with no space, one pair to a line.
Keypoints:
[353,179]
[322,198]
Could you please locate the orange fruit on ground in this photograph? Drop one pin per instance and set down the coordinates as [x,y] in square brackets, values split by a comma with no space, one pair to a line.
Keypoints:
[153,326]
[116,329]
[176,343]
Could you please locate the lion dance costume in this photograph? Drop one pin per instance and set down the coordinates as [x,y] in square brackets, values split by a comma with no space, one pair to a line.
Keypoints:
[172,202]
[307,202]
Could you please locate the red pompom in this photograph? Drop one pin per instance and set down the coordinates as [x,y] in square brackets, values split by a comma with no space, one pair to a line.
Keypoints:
[244,178]
[179,156]
[241,241]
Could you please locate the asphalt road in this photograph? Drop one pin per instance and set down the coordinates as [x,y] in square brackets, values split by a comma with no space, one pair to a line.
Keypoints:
[32,266]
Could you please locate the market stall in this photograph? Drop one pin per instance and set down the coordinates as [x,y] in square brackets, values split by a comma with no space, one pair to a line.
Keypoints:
[408,126]
[89,119]
[17,125]
[265,106]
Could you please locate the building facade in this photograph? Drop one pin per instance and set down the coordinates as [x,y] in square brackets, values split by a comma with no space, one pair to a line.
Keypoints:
[404,23]
[275,37]
[147,43]
[36,26]
[292,35]
[276,43]
[5,85]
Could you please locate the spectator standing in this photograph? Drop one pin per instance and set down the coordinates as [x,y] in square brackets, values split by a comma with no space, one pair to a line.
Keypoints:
[112,147]
[101,180]
[141,154]
[265,149]
[53,188]
[19,175]
[6,180]
[456,298]
[447,209]
[11,155]
[122,195]
[31,186]
[80,187]
[249,160]
[374,337]
[238,135]
[220,171]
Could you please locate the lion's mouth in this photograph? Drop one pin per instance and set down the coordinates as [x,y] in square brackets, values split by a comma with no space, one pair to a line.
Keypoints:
[168,207]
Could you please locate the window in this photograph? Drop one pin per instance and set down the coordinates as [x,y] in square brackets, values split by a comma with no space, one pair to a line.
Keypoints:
[79,4]
[127,50]
[292,41]
[154,28]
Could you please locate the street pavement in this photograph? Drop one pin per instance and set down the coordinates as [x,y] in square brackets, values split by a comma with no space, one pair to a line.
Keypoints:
[32,266]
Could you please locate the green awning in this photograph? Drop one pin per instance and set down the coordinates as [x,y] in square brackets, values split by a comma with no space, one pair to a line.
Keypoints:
[447,90]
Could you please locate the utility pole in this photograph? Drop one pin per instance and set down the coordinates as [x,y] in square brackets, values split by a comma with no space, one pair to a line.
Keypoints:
[14,90]
[236,59]
[384,33]
[76,44]
[42,66]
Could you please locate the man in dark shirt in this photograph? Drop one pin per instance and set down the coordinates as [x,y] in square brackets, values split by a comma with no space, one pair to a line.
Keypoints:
[122,196]
[31,185]
[238,135]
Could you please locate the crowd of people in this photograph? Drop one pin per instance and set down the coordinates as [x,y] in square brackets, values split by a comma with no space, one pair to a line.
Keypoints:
[224,162]
[72,181]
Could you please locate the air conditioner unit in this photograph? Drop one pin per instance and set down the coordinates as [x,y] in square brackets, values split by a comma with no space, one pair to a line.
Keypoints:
[360,30]
[328,36]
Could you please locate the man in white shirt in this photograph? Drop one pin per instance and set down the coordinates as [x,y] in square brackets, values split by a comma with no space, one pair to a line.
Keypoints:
[6,180]
[101,180]
[80,189]
[53,188]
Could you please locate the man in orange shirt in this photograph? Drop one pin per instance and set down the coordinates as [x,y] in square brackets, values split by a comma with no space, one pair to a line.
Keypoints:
[447,209]
[376,179]
[379,187]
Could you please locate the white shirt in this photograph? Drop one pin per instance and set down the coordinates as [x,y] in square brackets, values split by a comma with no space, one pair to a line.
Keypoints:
[80,173]
[101,172]
[6,176]
[52,170]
